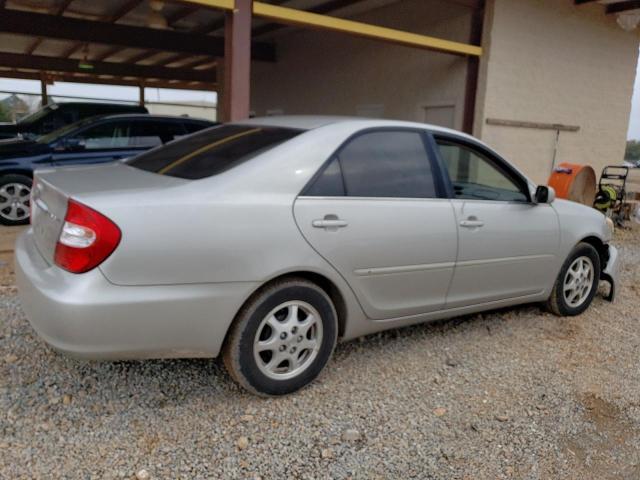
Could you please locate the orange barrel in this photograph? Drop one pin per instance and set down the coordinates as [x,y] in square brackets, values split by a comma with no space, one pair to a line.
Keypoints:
[574,182]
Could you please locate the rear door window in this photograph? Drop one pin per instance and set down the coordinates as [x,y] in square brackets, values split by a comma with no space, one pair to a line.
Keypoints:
[149,133]
[379,164]
[105,136]
[212,151]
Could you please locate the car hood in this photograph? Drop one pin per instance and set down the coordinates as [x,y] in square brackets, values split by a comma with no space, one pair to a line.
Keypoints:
[17,148]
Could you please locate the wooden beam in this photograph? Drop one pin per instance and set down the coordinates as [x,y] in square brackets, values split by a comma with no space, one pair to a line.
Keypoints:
[322,9]
[201,62]
[180,14]
[221,4]
[89,79]
[533,125]
[113,18]
[67,28]
[237,62]
[621,7]
[124,9]
[59,11]
[582,2]
[292,16]
[219,24]
[51,64]
[171,20]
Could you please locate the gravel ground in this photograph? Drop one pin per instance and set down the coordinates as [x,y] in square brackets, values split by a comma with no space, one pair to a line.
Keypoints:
[516,393]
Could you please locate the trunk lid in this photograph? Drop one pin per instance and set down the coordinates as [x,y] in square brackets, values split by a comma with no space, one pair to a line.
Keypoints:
[90,185]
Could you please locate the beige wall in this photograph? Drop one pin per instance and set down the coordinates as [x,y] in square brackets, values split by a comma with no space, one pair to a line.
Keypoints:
[550,61]
[320,72]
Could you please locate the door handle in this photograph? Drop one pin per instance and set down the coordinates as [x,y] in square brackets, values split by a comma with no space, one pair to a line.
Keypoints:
[472,223]
[331,222]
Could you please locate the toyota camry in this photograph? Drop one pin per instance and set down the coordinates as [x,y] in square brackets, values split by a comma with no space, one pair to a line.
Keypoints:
[268,240]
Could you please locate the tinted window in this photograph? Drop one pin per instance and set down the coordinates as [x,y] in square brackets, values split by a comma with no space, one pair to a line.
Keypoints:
[172,131]
[477,177]
[146,134]
[329,183]
[105,136]
[154,133]
[387,164]
[212,151]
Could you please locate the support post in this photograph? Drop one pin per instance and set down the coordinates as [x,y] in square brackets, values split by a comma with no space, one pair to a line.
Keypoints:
[473,70]
[141,100]
[43,90]
[220,102]
[237,62]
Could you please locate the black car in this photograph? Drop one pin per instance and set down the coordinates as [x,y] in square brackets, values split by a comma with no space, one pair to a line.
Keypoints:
[93,140]
[57,115]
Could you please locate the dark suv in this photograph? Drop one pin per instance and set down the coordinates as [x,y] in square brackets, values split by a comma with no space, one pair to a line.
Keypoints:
[93,140]
[57,115]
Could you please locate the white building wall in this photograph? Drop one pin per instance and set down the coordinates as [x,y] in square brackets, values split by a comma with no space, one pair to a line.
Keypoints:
[554,62]
[321,72]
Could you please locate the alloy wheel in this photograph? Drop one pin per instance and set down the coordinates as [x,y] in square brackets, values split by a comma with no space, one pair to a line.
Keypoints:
[15,201]
[288,340]
[578,281]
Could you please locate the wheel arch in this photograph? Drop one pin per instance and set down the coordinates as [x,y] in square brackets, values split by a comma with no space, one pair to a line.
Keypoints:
[322,281]
[17,171]
[600,247]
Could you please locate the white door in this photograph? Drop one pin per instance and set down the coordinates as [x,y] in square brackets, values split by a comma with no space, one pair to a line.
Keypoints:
[373,213]
[506,244]
[441,115]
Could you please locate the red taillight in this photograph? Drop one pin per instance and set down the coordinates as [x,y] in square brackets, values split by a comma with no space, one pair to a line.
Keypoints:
[86,240]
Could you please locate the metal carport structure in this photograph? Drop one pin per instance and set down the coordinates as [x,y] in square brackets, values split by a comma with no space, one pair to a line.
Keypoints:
[195,44]
[187,44]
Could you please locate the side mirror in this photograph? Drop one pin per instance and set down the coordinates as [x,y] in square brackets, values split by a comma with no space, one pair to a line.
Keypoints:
[545,194]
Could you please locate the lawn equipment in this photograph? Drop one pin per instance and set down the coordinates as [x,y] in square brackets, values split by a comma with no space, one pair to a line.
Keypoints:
[612,192]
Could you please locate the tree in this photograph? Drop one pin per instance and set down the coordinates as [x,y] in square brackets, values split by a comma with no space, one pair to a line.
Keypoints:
[633,150]
[5,115]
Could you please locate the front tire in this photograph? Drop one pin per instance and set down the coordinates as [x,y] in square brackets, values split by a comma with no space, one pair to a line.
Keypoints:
[282,338]
[15,197]
[577,282]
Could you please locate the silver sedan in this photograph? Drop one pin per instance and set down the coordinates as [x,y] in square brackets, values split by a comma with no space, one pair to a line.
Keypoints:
[266,241]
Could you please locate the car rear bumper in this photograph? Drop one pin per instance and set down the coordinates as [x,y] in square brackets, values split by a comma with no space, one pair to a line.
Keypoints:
[611,270]
[87,316]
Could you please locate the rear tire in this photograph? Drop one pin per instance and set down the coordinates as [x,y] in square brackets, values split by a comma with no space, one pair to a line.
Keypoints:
[282,338]
[577,282]
[15,191]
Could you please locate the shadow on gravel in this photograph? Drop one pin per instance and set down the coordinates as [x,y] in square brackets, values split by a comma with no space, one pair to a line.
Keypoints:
[162,383]
[168,383]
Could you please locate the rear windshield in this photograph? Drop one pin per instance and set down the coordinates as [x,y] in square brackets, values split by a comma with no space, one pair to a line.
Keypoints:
[212,151]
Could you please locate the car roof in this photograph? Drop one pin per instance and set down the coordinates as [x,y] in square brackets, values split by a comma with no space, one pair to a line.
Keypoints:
[146,116]
[99,104]
[311,122]
[355,124]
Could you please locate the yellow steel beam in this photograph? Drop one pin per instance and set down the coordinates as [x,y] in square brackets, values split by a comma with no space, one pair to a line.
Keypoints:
[299,17]
[222,4]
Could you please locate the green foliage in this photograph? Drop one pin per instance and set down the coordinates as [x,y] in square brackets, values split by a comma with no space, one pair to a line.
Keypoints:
[633,150]
[5,115]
